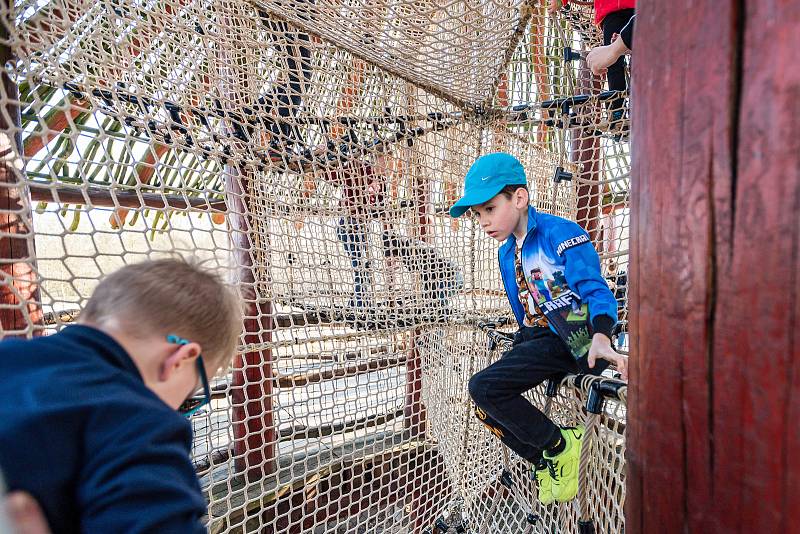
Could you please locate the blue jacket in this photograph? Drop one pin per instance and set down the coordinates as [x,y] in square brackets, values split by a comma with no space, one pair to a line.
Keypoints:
[81,432]
[560,250]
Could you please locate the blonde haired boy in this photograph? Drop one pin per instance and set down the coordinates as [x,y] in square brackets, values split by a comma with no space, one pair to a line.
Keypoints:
[88,416]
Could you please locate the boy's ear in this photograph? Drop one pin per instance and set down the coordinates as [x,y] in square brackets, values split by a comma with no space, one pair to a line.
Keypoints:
[521,197]
[182,355]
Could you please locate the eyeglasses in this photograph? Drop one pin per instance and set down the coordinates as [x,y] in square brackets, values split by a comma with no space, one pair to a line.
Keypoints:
[195,401]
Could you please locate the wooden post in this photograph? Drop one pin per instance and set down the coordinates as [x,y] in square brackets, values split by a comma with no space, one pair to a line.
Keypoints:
[414,408]
[715,293]
[255,436]
[415,415]
[254,429]
[585,152]
[20,303]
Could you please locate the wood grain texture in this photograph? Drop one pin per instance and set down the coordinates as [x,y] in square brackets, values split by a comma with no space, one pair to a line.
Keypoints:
[714,277]
[254,430]
[758,401]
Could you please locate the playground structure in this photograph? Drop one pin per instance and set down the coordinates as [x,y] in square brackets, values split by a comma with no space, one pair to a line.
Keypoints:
[309,151]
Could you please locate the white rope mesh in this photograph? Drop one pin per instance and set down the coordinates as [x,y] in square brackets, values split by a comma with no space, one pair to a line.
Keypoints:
[310,150]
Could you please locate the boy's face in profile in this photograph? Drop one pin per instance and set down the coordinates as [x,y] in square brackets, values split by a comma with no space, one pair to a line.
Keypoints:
[168,369]
[179,375]
[501,215]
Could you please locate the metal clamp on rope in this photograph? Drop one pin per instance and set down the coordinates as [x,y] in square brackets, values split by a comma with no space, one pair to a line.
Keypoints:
[560,175]
[551,390]
[506,479]
[599,391]
[571,55]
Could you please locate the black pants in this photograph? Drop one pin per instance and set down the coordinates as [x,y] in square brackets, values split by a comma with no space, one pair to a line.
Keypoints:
[613,23]
[497,390]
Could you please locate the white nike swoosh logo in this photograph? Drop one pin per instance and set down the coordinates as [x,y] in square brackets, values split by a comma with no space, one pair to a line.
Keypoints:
[484,179]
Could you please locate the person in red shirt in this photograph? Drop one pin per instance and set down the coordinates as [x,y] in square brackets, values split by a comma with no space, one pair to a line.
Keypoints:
[615,19]
[602,8]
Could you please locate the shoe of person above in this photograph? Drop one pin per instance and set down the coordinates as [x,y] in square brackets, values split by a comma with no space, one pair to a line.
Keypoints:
[544,481]
[564,465]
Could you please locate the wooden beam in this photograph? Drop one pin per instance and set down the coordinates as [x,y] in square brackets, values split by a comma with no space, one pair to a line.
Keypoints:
[541,75]
[314,377]
[255,433]
[361,368]
[109,198]
[54,124]
[416,418]
[303,432]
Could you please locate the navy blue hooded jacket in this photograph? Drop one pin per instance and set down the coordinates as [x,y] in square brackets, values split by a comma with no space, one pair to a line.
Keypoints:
[81,432]
[560,251]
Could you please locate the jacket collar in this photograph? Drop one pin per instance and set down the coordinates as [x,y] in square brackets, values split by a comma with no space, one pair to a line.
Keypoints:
[510,243]
[103,345]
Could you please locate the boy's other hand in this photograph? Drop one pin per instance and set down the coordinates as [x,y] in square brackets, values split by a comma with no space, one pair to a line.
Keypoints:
[25,514]
[601,348]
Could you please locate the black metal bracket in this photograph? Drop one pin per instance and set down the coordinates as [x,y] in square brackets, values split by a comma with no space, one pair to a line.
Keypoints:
[551,390]
[442,527]
[560,175]
[493,336]
[599,391]
[571,55]
[577,100]
[506,479]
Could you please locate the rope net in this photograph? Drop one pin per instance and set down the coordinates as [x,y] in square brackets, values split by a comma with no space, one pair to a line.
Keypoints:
[310,150]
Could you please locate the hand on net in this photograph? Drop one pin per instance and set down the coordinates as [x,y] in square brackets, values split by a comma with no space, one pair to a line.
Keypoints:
[600,58]
[601,349]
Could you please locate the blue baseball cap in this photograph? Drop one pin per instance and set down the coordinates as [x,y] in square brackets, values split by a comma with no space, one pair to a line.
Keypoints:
[487,177]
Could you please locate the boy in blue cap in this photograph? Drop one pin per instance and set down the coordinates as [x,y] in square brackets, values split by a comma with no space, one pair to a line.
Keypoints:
[553,339]
[88,420]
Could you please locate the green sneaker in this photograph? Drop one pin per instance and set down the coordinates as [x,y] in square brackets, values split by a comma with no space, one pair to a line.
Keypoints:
[544,481]
[564,466]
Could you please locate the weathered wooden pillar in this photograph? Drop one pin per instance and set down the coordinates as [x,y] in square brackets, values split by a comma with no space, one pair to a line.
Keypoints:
[252,385]
[585,153]
[255,433]
[20,303]
[415,413]
[715,286]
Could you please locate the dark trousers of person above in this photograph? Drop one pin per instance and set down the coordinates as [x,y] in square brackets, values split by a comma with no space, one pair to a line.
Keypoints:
[353,234]
[497,390]
[613,23]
